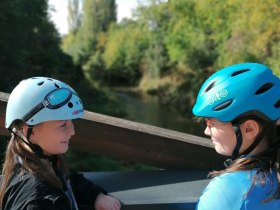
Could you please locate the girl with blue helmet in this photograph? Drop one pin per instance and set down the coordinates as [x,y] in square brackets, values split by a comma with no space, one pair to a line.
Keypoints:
[35,176]
[241,108]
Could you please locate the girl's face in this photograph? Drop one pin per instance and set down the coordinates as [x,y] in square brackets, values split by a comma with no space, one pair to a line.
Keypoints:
[222,135]
[224,138]
[53,136]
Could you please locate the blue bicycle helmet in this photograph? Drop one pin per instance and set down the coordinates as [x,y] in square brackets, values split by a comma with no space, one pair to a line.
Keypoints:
[39,99]
[239,90]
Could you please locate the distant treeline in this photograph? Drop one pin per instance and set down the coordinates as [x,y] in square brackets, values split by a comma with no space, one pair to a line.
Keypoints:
[167,48]
[170,47]
[30,46]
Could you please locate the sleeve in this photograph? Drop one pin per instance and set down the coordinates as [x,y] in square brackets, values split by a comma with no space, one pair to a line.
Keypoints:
[84,190]
[222,193]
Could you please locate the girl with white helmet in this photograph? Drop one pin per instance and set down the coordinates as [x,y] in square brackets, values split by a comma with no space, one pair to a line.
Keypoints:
[241,107]
[35,175]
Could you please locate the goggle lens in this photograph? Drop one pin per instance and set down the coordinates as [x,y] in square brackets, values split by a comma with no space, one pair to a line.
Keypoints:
[59,96]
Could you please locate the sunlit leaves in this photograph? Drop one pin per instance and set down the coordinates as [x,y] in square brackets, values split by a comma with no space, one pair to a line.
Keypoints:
[123,51]
[190,37]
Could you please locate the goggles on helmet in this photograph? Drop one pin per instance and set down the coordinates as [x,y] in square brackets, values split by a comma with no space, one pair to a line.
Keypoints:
[53,100]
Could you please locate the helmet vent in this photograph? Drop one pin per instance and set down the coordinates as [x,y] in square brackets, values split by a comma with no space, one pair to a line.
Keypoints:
[264,88]
[40,83]
[223,105]
[239,72]
[210,86]
[56,85]
[277,104]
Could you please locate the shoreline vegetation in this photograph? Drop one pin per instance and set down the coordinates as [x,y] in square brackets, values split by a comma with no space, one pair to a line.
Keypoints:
[167,48]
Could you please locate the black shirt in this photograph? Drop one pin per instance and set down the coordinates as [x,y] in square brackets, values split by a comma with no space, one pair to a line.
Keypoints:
[28,192]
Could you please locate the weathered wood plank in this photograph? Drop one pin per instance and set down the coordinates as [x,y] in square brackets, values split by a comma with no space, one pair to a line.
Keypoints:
[127,140]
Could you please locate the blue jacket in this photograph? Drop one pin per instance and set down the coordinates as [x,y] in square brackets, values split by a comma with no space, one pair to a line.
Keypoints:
[234,191]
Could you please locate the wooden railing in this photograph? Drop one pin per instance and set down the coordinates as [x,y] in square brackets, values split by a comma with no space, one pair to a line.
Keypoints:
[136,142]
[127,140]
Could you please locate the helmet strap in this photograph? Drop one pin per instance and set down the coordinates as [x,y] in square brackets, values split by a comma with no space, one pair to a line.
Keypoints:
[34,147]
[239,140]
[29,132]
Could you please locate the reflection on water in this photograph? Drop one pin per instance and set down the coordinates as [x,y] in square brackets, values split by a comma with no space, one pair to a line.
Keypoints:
[146,109]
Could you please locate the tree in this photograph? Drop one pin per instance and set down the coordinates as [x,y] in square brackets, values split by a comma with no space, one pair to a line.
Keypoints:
[123,53]
[74,15]
[96,17]
[29,44]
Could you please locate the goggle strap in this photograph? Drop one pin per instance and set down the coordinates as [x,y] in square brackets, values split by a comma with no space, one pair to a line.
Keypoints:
[46,103]
[32,112]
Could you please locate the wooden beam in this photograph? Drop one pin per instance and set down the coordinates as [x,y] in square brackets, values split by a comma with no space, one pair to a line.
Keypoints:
[136,142]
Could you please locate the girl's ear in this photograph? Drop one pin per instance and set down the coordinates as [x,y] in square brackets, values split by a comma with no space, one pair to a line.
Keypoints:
[251,129]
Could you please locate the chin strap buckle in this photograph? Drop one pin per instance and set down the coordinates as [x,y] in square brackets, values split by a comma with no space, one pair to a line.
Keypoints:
[228,163]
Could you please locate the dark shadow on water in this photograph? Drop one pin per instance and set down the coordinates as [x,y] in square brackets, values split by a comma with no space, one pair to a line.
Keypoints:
[146,109]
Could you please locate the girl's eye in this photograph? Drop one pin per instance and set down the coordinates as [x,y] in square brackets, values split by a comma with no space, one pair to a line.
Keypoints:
[63,125]
[211,124]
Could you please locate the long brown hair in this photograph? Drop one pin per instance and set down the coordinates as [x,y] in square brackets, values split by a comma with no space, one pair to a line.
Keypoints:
[30,163]
[263,162]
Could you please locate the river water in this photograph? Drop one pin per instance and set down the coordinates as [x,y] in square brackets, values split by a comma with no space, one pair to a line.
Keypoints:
[144,108]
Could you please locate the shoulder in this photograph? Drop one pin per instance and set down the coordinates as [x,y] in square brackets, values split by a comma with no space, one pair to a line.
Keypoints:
[233,180]
[240,190]
[29,182]
[27,191]
[226,191]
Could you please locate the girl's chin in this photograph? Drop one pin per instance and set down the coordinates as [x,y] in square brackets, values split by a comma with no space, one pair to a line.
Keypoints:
[222,152]
[63,149]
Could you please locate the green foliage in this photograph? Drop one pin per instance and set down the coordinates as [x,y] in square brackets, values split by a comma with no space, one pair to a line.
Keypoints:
[180,29]
[82,43]
[273,61]
[74,15]
[122,54]
[190,39]
[153,17]
[243,30]
[29,45]
[169,47]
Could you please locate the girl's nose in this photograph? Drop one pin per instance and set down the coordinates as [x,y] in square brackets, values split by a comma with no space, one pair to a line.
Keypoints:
[207,131]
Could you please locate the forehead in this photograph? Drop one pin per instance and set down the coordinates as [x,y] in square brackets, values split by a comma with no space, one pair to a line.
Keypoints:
[51,123]
[210,119]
